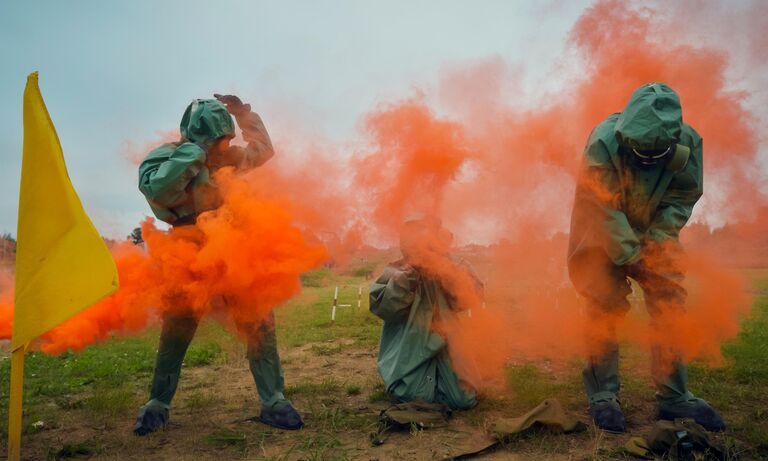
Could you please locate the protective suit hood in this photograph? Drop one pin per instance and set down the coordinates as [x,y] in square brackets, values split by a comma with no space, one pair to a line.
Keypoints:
[206,120]
[653,118]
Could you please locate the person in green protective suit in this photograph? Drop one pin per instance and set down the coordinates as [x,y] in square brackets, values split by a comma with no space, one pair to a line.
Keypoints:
[411,297]
[640,179]
[176,180]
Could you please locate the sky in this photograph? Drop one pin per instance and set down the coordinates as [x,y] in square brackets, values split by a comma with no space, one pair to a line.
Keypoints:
[115,74]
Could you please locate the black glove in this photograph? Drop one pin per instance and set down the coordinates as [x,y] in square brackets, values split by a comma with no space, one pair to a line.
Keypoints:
[640,270]
[233,104]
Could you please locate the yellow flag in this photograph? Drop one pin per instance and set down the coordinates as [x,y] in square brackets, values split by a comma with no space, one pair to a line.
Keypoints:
[62,264]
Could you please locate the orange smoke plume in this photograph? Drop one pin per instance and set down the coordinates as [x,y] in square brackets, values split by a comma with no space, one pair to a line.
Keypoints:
[416,157]
[507,174]
[498,174]
[243,258]
[6,304]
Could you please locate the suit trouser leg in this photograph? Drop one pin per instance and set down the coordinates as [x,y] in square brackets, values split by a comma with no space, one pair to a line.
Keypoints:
[605,287]
[451,390]
[264,361]
[665,299]
[177,333]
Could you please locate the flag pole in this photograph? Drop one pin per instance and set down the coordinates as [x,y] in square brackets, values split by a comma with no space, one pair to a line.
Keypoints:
[14,405]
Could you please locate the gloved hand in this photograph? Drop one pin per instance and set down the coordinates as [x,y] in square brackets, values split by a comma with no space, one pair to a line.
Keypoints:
[233,104]
[658,259]
[412,276]
[639,270]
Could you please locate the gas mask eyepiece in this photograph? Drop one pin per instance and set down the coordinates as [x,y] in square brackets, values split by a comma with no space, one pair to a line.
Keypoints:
[651,157]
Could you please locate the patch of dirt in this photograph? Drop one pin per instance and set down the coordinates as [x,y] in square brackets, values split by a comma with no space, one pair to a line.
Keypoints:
[212,419]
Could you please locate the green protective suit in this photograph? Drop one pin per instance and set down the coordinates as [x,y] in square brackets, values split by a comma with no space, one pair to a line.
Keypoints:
[622,209]
[175,177]
[413,360]
[176,181]
[263,359]
[206,120]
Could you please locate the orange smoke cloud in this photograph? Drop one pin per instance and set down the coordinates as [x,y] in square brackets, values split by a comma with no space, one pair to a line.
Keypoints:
[416,157]
[494,172]
[506,173]
[6,304]
[243,258]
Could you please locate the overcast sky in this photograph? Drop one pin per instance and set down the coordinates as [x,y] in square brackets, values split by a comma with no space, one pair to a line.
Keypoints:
[118,72]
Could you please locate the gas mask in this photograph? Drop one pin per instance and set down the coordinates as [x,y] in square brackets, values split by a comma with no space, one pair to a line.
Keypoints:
[648,158]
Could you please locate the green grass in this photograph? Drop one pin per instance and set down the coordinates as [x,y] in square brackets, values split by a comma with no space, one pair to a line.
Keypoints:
[309,316]
[202,401]
[96,379]
[738,390]
[107,382]
[326,387]
[328,422]
[200,355]
[316,278]
[378,394]
[112,401]
[320,446]
[363,269]
[75,450]
[530,385]
[354,389]
[227,439]
[325,349]
[749,354]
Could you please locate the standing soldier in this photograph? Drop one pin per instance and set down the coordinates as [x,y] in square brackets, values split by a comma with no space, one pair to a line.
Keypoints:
[176,180]
[641,177]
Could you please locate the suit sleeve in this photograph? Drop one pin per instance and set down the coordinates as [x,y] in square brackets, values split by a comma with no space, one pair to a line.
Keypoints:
[598,194]
[392,294]
[259,148]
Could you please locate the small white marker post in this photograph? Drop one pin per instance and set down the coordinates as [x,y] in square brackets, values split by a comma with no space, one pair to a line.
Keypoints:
[335,300]
[336,304]
[359,295]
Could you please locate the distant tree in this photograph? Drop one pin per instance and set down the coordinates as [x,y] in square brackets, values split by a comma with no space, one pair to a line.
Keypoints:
[135,236]
[7,248]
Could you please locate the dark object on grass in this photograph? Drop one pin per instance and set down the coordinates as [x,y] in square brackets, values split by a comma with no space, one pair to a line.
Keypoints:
[696,409]
[281,417]
[410,415]
[608,416]
[548,415]
[678,440]
[152,417]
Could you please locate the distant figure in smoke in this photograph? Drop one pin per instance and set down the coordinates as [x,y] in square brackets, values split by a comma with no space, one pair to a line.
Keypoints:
[412,296]
[176,180]
[641,177]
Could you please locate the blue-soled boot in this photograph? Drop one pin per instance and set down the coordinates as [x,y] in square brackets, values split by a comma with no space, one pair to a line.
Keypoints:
[152,417]
[694,408]
[281,416]
[608,416]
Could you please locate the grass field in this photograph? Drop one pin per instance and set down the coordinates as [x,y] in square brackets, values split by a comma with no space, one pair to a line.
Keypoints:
[82,405]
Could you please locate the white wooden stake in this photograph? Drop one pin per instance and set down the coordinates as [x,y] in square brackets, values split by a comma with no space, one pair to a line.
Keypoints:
[335,300]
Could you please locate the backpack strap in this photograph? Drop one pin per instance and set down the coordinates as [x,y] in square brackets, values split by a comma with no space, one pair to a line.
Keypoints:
[680,159]
[676,164]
